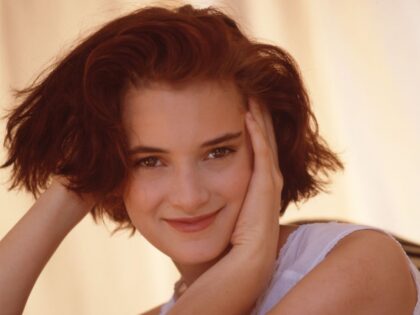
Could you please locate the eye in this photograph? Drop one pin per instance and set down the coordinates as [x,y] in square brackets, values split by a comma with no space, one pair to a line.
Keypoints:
[149,162]
[219,153]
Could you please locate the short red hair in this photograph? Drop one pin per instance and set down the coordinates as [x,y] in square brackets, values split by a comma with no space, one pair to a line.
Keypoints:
[69,123]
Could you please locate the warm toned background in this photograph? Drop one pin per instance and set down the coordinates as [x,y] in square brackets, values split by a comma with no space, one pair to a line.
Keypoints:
[360,60]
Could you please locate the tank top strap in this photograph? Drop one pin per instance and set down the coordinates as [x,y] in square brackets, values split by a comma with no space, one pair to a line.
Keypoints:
[167,306]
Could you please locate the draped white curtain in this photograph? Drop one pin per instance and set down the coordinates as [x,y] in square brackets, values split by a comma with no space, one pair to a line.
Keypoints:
[360,61]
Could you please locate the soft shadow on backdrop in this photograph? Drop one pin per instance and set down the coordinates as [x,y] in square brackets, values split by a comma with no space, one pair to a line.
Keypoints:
[359,60]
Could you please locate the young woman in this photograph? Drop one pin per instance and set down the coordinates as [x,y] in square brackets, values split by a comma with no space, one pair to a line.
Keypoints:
[173,123]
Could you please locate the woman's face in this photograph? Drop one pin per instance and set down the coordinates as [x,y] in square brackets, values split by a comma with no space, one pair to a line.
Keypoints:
[192,162]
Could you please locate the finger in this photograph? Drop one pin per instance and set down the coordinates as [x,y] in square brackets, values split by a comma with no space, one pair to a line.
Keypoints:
[265,136]
[264,120]
[263,192]
[256,112]
[268,122]
[262,152]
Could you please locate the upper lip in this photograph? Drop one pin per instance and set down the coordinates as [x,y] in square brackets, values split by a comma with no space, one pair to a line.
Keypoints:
[193,219]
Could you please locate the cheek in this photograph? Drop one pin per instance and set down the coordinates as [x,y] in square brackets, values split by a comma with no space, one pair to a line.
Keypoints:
[141,200]
[235,180]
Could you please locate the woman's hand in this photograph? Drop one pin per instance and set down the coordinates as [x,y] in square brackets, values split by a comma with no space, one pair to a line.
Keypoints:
[257,227]
[83,203]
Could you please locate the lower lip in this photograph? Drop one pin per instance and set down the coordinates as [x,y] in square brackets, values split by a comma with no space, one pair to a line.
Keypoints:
[193,226]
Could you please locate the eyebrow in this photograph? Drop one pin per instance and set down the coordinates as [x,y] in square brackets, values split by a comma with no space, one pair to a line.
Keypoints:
[212,142]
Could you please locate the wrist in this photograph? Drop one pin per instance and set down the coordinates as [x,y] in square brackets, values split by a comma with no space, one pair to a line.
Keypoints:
[66,206]
[259,261]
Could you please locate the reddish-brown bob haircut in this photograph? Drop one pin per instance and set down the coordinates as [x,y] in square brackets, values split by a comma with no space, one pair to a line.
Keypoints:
[69,123]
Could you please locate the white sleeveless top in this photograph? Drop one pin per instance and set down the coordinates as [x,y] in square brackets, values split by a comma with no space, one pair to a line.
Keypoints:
[304,249]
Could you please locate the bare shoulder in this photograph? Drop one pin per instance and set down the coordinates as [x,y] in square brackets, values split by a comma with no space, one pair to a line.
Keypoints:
[153,311]
[367,272]
[379,262]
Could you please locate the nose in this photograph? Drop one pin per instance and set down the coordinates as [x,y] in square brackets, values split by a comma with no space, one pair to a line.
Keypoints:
[188,191]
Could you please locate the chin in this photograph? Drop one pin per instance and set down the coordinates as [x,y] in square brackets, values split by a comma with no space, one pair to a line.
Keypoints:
[195,255]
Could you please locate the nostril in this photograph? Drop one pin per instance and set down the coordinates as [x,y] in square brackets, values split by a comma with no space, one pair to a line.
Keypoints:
[190,201]
[188,191]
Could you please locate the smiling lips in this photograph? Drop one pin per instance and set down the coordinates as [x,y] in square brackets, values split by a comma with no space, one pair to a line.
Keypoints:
[193,224]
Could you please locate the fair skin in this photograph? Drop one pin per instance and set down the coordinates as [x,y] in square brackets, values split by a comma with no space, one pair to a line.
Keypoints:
[34,239]
[192,180]
[201,163]
[217,104]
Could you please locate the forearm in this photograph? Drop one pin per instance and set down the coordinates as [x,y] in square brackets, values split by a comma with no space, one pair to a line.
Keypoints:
[230,287]
[28,246]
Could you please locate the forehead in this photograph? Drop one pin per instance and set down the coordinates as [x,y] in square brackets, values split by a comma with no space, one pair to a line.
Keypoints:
[175,115]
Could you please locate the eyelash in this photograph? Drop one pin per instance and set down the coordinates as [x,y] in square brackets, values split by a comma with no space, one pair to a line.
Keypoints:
[142,162]
[151,161]
[224,151]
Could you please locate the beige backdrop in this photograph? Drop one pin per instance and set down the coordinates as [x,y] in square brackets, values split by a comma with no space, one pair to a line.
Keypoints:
[360,60]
